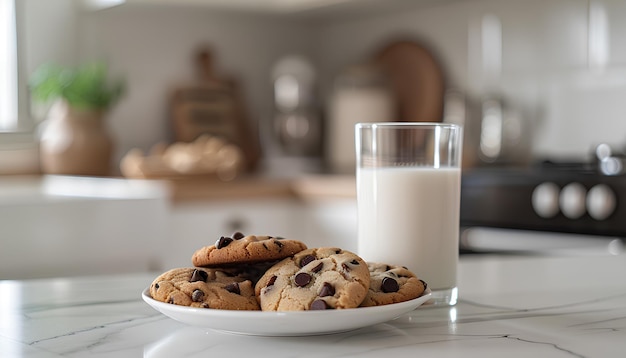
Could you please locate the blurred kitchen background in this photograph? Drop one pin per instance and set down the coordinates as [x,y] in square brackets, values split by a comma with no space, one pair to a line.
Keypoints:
[539,86]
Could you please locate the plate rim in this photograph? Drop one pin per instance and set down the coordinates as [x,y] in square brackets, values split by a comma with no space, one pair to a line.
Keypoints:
[394,310]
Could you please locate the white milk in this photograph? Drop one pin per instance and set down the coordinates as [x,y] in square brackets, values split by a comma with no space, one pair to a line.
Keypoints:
[410,217]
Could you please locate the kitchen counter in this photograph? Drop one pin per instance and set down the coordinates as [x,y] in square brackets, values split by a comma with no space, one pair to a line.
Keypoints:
[511,306]
[193,189]
[305,187]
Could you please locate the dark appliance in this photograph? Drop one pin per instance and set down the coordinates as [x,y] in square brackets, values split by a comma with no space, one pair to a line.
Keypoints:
[547,196]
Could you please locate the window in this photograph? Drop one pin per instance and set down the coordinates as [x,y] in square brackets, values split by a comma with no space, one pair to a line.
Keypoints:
[8,67]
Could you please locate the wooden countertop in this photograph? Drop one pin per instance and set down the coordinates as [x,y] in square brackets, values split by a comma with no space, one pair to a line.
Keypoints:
[309,187]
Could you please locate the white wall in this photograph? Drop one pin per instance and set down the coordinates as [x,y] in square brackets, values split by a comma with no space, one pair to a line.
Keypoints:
[545,57]
[49,33]
[544,62]
[154,46]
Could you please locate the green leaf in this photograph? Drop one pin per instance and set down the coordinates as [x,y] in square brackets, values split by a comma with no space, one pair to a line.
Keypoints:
[85,87]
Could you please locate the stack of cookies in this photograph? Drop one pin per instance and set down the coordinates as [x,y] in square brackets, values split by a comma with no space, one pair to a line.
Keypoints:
[270,273]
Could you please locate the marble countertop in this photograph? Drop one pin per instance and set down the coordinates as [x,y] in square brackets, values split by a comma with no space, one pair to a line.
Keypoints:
[511,306]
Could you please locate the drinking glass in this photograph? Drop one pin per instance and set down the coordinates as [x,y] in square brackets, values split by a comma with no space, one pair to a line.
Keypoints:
[408,199]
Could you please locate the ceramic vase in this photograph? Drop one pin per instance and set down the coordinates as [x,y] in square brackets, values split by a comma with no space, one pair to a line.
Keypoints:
[75,141]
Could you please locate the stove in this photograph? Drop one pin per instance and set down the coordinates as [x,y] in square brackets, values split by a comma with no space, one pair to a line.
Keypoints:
[574,197]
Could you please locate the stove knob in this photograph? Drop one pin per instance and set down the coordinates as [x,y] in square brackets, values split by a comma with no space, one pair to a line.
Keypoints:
[545,200]
[572,200]
[601,202]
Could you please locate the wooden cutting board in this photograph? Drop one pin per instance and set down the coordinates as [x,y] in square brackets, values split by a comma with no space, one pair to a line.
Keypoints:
[416,78]
[213,106]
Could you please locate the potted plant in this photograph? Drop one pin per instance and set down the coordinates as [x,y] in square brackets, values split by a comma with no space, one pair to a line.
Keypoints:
[74,139]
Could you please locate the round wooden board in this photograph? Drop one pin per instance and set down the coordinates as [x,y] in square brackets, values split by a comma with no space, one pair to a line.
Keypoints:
[416,79]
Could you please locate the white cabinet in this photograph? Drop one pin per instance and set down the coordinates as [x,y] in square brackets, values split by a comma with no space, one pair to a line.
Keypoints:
[69,226]
[323,223]
[331,223]
[195,225]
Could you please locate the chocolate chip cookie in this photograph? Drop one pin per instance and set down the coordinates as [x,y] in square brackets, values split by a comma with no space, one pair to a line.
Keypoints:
[206,288]
[252,272]
[314,279]
[240,249]
[391,284]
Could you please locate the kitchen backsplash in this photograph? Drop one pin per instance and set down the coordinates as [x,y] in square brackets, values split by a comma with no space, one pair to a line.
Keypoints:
[561,61]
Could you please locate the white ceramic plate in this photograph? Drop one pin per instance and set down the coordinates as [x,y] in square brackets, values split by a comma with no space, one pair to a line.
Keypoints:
[300,323]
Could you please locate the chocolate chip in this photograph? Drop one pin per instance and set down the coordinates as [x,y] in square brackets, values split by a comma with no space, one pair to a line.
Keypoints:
[223,242]
[327,290]
[389,285]
[238,236]
[387,268]
[338,251]
[425,284]
[233,287]
[307,260]
[199,275]
[265,247]
[170,300]
[205,305]
[278,243]
[156,286]
[319,305]
[197,295]
[346,267]
[317,268]
[302,279]
[271,281]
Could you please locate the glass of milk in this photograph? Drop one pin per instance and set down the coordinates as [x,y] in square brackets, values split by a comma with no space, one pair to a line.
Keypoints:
[408,195]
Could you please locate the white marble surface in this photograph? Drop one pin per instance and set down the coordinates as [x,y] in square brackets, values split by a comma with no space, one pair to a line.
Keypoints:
[509,307]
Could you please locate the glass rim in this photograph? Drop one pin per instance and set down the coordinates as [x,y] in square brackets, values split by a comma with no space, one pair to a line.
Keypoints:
[372,125]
